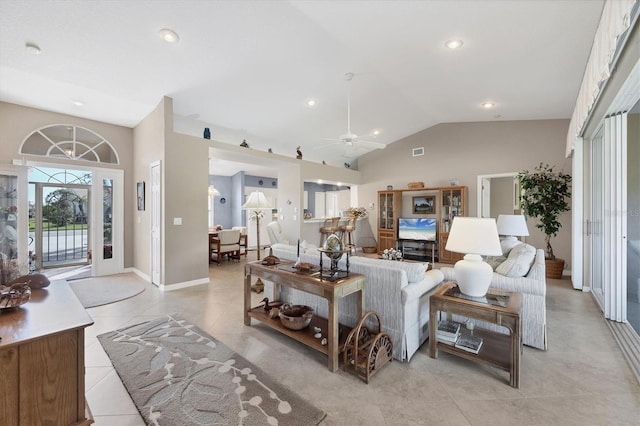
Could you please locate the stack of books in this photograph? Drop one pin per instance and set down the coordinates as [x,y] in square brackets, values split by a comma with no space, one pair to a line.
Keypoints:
[469,343]
[448,331]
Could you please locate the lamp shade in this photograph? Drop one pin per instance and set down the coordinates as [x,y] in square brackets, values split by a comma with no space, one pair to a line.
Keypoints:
[474,235]
[513,225]
[256,201]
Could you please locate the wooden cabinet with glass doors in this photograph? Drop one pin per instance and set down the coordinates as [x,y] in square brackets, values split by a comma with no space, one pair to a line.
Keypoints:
[453,203]
[389,206]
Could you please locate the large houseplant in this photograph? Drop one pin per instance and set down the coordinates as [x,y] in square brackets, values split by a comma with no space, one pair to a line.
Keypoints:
[545,195]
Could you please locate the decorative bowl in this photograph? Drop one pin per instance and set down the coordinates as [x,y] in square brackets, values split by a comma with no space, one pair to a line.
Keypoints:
[295,317]
[14,296]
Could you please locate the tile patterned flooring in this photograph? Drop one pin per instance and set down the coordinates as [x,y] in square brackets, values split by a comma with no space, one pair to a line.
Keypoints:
[582,379]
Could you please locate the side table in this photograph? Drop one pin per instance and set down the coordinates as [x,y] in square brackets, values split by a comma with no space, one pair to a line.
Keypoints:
[498,307]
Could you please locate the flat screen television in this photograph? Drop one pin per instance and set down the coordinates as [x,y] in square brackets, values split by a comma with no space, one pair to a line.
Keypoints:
[417,229]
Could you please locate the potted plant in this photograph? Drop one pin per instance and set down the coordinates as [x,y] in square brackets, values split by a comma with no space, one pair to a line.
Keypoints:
[545,195]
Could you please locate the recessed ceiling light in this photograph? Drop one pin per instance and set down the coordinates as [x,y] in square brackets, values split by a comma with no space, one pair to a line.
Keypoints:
[77,103]
[488,105]
[311,102]
[376,132]
[169,36]
[454,44]
[32,48]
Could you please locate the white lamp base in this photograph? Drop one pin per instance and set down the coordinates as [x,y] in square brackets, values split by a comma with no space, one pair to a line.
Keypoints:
[507,243]
[473,275]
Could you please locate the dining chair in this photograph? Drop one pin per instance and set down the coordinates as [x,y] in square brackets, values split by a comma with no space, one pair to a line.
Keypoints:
[227,242]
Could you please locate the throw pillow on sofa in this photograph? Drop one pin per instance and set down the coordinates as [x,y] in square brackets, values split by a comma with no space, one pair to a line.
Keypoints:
[495,261]
[519,262]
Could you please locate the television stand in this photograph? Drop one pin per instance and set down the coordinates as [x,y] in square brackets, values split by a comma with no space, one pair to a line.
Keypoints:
[419,250]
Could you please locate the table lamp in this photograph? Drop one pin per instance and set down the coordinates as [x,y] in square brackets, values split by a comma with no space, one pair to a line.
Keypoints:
[511,226]
[256,202]
[473,236]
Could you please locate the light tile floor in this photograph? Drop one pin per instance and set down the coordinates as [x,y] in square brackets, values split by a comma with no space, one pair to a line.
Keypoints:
[581,379]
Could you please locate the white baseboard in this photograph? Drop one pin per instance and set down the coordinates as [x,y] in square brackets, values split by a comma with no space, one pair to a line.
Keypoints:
[178,286]
[139,273]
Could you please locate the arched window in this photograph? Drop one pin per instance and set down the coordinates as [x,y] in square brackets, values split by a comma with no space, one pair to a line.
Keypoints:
[70,142]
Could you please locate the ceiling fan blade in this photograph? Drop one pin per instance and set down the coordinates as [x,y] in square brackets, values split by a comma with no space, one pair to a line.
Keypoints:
[326,145]
[371,144]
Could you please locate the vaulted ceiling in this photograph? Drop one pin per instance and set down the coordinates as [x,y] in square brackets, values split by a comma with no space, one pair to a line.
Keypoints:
[246,69]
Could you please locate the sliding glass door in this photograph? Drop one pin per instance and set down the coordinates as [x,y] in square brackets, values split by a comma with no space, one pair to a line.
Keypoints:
[595,237]
[633,217]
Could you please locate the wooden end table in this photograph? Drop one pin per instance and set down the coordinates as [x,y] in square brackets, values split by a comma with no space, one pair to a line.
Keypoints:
[498,307]
[284,274]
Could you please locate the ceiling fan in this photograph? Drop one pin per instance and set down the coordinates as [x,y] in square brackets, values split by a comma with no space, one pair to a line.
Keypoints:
[349,139]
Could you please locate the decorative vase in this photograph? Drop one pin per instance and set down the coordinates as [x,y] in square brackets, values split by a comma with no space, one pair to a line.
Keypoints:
[207,133]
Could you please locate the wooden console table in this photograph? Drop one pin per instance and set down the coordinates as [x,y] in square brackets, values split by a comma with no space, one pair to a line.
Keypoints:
[42,360]
[498,307]
[284,274]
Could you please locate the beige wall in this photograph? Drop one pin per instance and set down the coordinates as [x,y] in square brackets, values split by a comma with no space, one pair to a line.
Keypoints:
[148,148]
[186,182]
[17,122]
[465,150]
[185,174]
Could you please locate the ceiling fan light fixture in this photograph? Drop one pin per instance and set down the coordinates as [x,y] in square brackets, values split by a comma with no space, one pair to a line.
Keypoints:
[169,35]
[454,44]
[311,102]
[488,105]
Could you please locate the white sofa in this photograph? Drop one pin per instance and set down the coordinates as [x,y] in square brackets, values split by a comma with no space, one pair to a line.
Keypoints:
[397,291]
[533,287]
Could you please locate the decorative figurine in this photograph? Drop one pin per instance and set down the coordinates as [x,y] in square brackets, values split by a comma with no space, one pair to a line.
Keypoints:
[324,162]
[258,286]
[299,156]
[270,151]
[244,143]
[270,305]
[207,133]
[347,165]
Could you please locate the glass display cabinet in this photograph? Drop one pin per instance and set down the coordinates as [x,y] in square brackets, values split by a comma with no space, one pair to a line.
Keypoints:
[14,216]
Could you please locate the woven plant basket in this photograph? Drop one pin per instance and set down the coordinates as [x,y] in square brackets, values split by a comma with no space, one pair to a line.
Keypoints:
[554,268]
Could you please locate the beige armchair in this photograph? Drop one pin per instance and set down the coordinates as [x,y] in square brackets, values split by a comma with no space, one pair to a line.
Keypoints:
[226,242]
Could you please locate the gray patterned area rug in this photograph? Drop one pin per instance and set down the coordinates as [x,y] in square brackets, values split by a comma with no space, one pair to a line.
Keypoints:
[177,374]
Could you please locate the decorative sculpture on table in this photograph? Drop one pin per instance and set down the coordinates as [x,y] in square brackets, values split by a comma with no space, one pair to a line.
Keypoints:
[334,250]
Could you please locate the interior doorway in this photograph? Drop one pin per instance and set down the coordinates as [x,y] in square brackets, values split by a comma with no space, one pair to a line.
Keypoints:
[498,194]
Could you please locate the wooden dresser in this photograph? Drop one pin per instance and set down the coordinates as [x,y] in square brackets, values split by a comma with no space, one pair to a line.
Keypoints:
[42,360]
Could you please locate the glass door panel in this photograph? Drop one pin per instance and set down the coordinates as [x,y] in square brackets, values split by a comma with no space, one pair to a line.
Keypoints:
[597,216]
[633,217]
